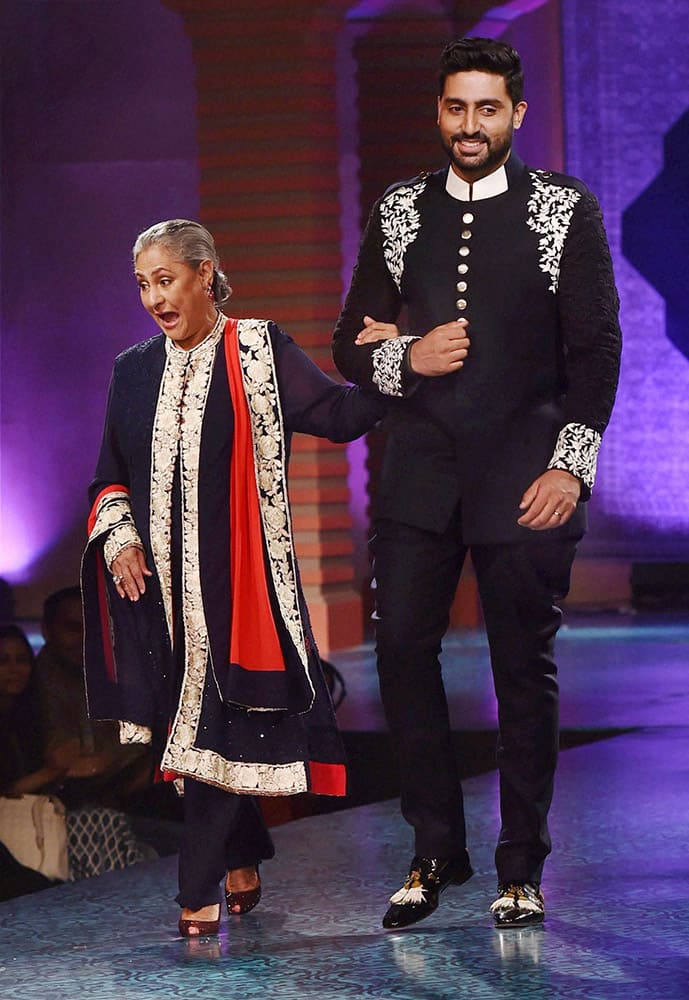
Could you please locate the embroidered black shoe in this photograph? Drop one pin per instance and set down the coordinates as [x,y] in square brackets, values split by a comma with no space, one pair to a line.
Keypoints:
[419,895]
[519,904]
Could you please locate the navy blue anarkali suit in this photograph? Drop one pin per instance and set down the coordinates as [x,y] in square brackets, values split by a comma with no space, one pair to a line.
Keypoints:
[216,663]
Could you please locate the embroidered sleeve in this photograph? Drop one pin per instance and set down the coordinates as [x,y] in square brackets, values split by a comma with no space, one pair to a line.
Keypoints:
[588,309]
[120,538]
[113,518]
[388,365]
[393,225]
[131,732]
[576,451]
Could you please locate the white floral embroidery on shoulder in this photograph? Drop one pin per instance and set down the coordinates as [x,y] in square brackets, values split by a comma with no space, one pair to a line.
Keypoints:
[550,211]
[400,222]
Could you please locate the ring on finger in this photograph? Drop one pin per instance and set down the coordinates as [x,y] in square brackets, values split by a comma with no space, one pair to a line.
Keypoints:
[557,513]
[117,580]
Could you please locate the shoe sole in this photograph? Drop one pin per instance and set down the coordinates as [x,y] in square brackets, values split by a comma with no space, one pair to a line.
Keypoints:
[516,924]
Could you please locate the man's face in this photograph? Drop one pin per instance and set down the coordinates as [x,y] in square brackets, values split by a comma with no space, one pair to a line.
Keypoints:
[476,119]
[65,635]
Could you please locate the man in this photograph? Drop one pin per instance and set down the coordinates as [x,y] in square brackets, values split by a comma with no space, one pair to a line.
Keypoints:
[500,394]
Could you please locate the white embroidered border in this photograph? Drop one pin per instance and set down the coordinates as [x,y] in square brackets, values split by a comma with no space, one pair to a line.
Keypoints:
[243,778]
[114,509]
[400,223]
[576,451]
[550,210]
[180,753]
[132,732]
[122,537]
[387,365]
[261,387]
[177,428]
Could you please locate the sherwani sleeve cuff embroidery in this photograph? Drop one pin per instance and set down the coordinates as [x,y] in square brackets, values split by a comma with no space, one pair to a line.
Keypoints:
[131,732]
[576,451]
[388,365]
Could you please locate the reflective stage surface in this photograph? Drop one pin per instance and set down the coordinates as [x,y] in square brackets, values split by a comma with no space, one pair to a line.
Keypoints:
[616,885]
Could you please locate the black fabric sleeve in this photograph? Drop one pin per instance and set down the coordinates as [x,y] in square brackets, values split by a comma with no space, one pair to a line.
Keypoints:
[312,403]
[589,305]
[372,292]
[111,466]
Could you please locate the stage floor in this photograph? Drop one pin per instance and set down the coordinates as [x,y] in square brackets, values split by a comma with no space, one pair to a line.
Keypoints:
[616,886]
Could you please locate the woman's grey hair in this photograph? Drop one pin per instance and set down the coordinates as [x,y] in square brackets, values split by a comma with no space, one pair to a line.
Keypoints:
[189,242]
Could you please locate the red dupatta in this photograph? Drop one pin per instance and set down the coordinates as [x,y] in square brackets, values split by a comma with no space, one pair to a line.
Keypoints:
[254,641]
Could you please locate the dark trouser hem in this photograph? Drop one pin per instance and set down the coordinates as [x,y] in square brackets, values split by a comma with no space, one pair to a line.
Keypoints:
[222,831]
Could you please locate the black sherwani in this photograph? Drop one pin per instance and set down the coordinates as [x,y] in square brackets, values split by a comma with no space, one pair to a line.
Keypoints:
[530,270]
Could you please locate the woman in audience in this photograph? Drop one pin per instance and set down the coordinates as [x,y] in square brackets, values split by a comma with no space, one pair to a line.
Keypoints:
[99,839]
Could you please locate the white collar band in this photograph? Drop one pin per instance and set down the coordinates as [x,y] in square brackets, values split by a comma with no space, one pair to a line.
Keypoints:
[486,187]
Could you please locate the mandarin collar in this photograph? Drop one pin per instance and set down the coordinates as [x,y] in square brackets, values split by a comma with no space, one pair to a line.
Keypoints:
[516,171]
[486,187]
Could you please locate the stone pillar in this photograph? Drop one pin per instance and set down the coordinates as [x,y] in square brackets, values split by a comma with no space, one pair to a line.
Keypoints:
[268,156]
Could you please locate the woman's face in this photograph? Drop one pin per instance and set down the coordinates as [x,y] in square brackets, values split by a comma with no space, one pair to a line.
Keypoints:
[176,295]
[15,666]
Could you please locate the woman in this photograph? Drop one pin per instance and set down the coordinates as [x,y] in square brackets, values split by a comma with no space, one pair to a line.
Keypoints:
[22,769]
[99,839]
[197,635]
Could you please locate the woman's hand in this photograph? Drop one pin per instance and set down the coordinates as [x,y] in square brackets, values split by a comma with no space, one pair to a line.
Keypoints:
[128,571]
[374,331]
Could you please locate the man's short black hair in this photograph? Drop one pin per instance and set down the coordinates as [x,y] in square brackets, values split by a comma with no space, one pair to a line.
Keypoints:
[52,604]
[486,55]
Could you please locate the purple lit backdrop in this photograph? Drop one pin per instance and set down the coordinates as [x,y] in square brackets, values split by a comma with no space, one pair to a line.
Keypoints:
[626,85]
[98,142]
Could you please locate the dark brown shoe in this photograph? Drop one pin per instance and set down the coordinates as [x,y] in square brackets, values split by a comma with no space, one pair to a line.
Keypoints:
[189,927]
[242,902]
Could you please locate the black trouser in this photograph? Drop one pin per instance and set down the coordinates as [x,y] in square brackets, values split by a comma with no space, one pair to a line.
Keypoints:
[416,575]
[222,831]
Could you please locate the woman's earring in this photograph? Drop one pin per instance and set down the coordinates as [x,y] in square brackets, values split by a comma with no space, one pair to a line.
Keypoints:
[210,294]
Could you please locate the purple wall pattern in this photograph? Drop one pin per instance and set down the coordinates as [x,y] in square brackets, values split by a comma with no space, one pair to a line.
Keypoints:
[626,86]
[98,142]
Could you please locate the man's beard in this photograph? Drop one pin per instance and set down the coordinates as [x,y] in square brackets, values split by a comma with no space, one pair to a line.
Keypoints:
[495,154]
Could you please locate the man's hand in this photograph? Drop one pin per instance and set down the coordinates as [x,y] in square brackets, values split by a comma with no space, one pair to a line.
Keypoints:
[442,350]
[374,331]
[128,571]
[550,500]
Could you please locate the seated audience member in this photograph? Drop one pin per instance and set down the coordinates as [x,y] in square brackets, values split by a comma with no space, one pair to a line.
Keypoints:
[99,838]
[21,767]
[100,770]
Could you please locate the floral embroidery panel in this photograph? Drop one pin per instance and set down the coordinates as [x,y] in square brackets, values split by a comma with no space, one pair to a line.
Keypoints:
[550,209]
[400,223]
